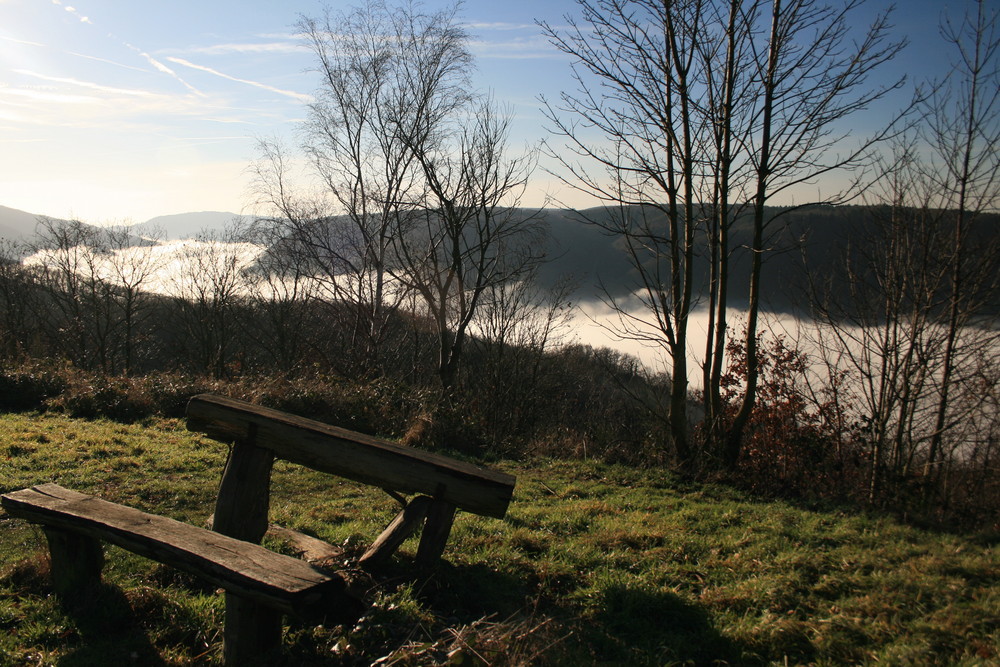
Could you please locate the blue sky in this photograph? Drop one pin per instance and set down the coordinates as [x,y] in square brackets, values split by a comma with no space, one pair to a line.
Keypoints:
[114,110]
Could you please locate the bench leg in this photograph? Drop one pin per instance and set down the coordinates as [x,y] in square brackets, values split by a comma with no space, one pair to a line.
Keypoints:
[244,494]
[252,632]
[404,525]
[76,561]
[437,528]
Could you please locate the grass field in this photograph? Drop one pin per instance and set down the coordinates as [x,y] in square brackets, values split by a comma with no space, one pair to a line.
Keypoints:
[594,564]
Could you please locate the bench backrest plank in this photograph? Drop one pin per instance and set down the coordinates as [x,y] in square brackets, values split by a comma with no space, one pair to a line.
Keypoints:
[247,569]
[355,456]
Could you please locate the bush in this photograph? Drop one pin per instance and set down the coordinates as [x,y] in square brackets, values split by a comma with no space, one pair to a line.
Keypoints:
[378,407]
[169,393]
[791,447]
[91,397]
[30,386]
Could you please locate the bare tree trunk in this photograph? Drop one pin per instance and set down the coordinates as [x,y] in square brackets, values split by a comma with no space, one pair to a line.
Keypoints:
[672,135]
[734,437]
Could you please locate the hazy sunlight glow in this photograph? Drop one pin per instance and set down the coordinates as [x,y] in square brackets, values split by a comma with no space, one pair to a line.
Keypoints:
[100,100]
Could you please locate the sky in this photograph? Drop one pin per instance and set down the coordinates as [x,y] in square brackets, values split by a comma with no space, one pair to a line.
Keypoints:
[117,111]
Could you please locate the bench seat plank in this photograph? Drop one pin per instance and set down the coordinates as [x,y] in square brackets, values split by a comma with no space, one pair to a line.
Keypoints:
[242,568]
[356,456]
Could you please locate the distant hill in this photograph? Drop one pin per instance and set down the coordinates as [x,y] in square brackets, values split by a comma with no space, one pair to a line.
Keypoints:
[16,225]
[584,253]
[188,225]
[22,228]
[813,242]
[593,259]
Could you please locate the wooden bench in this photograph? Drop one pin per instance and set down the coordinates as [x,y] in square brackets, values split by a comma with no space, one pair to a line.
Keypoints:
[260,585]
[261,434]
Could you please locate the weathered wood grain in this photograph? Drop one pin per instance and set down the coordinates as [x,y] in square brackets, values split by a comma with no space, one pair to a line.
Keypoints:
[75,562]
[434,538]
[306,547]
[356,456]
[241,506]
[248,570]
[252,629]
[401,527]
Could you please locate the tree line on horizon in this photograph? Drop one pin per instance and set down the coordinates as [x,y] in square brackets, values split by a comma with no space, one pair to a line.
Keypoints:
[688,119]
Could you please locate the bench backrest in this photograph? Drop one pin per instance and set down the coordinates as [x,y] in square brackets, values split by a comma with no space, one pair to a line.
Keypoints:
[355,456]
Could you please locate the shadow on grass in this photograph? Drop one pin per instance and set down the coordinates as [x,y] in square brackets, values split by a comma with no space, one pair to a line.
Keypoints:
[642,626]
[621,624]
[110,631]
[462,592]
[96,626]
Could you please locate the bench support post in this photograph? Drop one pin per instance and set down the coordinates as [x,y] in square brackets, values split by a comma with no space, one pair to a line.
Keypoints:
[75,561]
[244,493]
[404,525]
[437,528]
[252,629]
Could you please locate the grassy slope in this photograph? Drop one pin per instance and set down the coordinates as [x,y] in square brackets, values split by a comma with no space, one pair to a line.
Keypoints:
[594,564]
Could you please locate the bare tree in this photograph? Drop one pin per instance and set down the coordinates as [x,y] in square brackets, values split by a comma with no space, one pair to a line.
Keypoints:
[19,303]
[637,79]
[727,86]
[209,286]
[79,319]
[131,264]
[877,326]
[812,76]
[519,326]
[964,134]
[467,235]
[916,334]
[97,280]
[390,77]
[688,111]
[283,294]
[416,188]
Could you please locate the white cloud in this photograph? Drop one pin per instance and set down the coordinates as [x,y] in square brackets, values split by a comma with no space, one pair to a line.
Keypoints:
[157,65]
[11,130]
[163,68]
[72,10]
[105,60]
[14,117]
[499,25]
[264,86]
[248,47]
[20,41]
[87,84]
[281,35]
[534,47]
[49,97]
[239,121]
[63,102]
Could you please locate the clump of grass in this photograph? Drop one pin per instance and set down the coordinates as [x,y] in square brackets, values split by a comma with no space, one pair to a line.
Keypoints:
[594,564]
